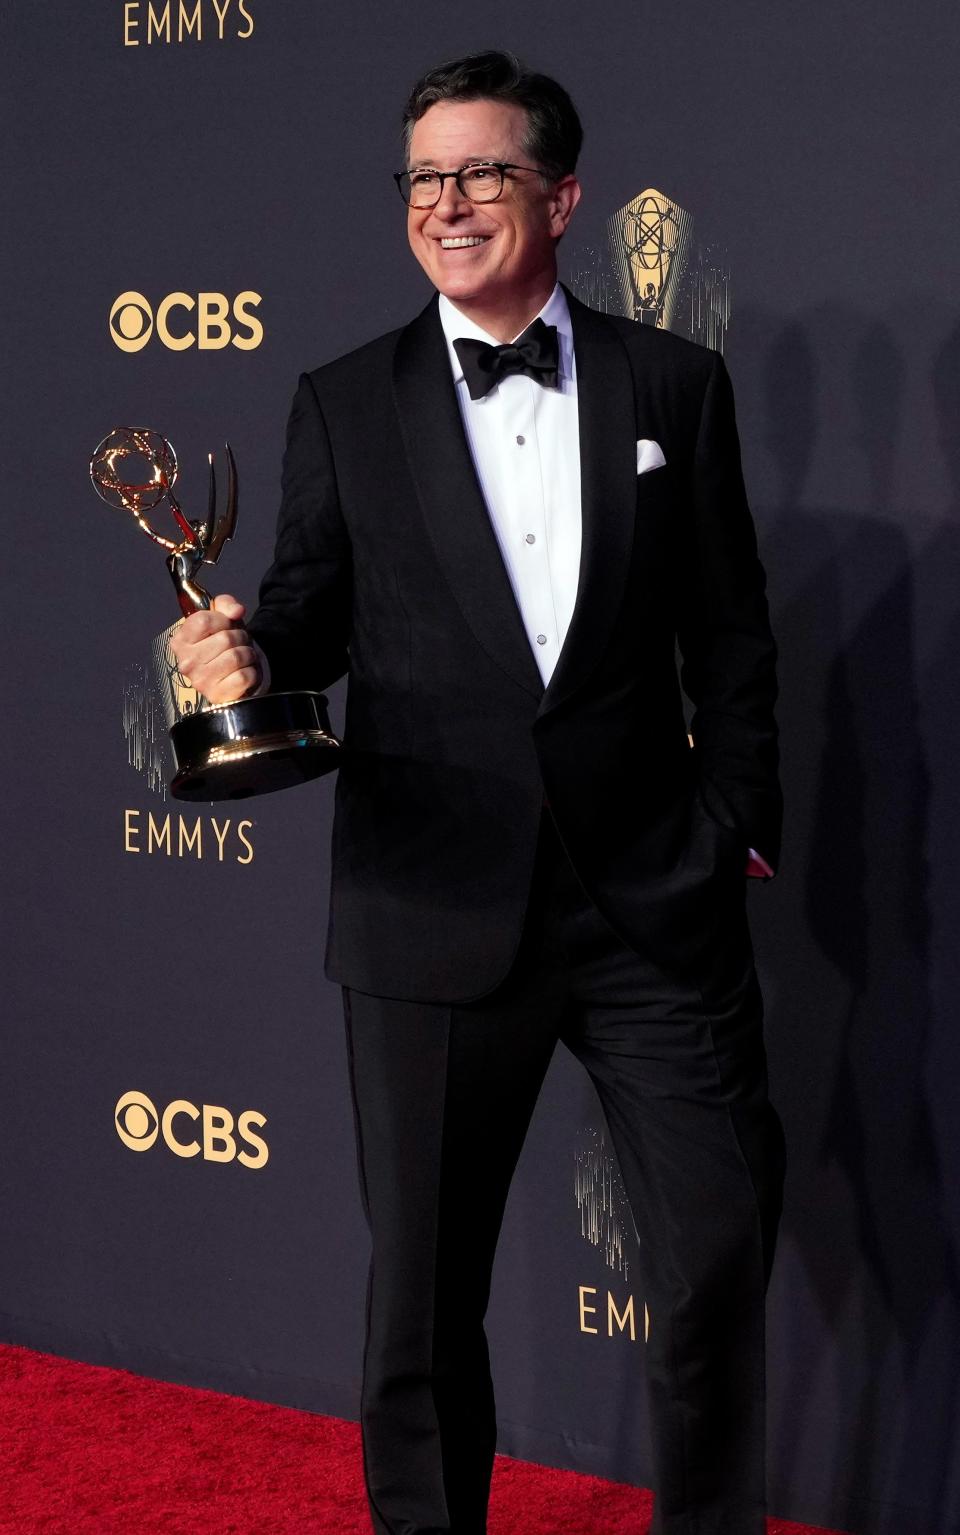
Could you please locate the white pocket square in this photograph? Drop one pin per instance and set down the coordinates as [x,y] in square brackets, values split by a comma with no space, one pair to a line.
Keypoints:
[649,455]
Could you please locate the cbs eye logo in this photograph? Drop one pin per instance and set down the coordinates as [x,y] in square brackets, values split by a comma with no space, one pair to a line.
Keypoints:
[210,321]
[209,1130]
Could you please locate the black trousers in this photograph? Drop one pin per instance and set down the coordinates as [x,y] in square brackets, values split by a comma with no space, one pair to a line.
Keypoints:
[443,1096]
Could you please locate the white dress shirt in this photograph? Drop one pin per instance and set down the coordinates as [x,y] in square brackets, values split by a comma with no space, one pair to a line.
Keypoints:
[525,444]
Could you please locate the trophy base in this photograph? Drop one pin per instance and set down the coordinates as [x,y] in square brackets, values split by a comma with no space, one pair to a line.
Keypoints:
[253,746]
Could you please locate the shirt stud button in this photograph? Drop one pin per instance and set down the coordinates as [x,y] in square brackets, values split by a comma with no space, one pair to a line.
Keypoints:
[520,440]
[531,538]
[541,639]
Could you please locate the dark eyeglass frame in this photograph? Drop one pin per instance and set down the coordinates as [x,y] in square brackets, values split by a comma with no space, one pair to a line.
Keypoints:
[474,165]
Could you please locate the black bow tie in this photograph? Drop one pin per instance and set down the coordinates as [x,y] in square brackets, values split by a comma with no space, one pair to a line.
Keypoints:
[536,353]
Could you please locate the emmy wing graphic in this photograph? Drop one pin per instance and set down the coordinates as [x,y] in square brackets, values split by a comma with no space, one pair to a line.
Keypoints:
[654,270]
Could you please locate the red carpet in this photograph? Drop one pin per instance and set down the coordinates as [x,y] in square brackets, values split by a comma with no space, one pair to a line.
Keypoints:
[92,1451]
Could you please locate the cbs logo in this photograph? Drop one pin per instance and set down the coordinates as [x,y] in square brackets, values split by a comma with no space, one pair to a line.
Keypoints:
[189,1132]
[210,321]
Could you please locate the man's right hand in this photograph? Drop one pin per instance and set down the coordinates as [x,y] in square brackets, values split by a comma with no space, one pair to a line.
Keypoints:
[216,655]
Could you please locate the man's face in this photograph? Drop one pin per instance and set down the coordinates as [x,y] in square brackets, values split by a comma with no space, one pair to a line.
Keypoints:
[515,236]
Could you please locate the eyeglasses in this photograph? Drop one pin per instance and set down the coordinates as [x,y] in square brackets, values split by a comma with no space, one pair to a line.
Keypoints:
[481,182]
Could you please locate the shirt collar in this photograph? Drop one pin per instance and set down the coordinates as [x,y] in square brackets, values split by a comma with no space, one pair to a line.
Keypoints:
[554,312]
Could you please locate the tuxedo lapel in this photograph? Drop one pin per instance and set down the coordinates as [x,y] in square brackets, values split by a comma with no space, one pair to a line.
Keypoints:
[457,518]
[451,500]
[608,485]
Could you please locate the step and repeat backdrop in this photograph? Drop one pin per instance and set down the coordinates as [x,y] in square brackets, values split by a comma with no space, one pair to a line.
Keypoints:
[201,206]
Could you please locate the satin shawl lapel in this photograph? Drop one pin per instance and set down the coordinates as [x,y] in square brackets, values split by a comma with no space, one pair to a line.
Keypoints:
[608,481]
[451,500]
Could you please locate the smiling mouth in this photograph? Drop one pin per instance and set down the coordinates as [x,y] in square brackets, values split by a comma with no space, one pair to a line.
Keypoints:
[462,242]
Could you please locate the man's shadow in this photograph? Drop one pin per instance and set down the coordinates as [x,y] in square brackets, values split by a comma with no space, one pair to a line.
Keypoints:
[864,1386]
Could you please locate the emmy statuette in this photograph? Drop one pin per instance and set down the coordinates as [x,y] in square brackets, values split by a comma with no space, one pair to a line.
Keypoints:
[222,751]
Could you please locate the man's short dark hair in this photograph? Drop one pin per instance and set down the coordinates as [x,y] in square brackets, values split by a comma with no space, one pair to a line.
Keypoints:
[553,135]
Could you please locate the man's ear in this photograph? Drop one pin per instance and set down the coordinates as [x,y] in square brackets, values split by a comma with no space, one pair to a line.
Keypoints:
[564,196]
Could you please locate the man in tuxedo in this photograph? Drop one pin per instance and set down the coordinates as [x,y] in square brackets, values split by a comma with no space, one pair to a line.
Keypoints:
[502,522]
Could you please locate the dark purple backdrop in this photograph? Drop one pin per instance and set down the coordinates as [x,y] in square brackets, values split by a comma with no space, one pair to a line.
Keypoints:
[814,149]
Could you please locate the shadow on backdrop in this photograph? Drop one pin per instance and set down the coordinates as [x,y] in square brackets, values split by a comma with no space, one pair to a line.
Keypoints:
[854,971]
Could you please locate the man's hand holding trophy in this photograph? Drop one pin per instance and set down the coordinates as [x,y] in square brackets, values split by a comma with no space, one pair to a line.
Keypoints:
[216,655]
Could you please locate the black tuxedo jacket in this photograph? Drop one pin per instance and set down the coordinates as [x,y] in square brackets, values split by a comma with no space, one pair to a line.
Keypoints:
[387,569]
